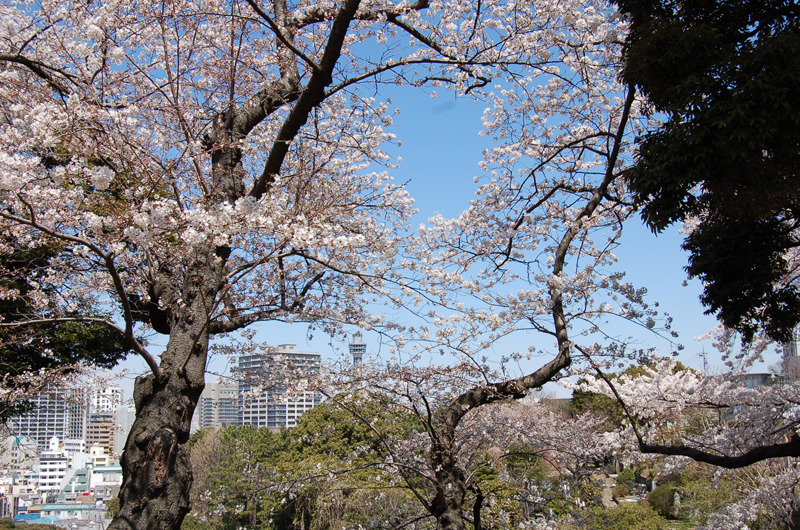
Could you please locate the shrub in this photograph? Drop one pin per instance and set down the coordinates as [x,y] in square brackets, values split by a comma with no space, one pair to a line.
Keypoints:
[626,476]
[620,490]
[661,499]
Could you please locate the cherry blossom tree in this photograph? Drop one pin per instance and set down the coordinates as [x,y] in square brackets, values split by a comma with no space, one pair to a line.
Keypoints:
[533,251]
[744,424]
[483,442]
[720,420]
[209,165]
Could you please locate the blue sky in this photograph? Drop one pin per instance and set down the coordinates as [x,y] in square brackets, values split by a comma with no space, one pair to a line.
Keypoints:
[440,151]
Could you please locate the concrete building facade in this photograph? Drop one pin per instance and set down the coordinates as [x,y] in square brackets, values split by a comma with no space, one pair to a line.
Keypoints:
[271,386]
[55,412]
[218,405]
[100,431]
[105,400]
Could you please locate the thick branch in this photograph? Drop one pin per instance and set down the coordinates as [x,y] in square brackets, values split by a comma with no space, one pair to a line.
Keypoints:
[517,388]
[108,260]
[38,68]
[757,454]
[286,41]
[312,96]
[754,455]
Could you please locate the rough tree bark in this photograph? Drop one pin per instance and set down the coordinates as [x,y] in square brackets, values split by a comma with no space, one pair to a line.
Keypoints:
[155,463]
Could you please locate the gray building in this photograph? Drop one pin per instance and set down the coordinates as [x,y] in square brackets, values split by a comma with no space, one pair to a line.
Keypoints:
[271,386]
[55,412]
[790,365]
[123,418]
[218,405]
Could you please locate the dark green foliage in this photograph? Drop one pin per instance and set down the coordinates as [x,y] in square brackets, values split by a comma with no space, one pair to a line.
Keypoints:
[332,430]
[626,482]
[598,404]
[321,474]
[620,490]
[727,75]
[29,348]
[626,476]
[662,499]
[113,507]
[55,345]
[755,245]
[523,464]
[700,491]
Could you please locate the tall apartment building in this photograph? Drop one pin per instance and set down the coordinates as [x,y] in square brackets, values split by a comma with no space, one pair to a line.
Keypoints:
[218,405]
[358,348]
[55,412]
[53,466]
[268,386]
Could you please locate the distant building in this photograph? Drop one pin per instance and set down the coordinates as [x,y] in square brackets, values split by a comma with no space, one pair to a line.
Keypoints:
[77,484]
[123,420]
[73,446]
[19,452]
[53,466]
[218,405]
[791,361]
[270,386]
[756,379]
[55,412]
[100,431]
[105,400]
[358,348]
[99,456]
[105,477]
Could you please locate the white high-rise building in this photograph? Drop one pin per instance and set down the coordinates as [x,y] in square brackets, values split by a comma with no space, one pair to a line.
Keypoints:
[270,386]
[55,412]
[53,465]
[358,348]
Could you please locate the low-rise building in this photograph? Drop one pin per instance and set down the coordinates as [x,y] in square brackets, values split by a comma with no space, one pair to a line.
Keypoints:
[53,466]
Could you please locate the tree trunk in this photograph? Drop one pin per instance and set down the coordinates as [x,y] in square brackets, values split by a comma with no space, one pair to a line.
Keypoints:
[451,487]
[156,468]
[476,508]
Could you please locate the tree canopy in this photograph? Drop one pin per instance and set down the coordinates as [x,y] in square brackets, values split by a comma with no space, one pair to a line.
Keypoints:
[33,355]
[727,75]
